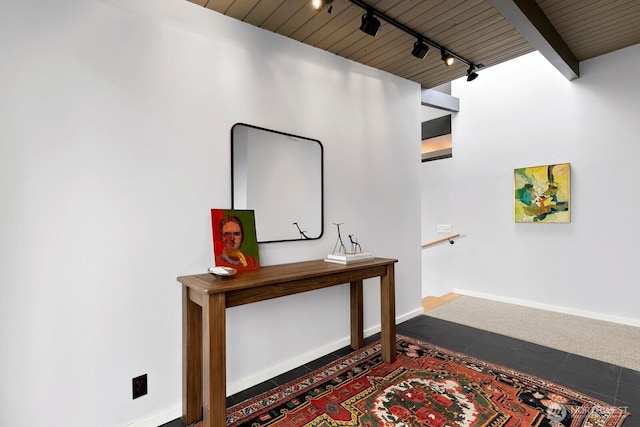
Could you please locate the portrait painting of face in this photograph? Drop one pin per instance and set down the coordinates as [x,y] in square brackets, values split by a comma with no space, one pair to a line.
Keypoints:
[234,239]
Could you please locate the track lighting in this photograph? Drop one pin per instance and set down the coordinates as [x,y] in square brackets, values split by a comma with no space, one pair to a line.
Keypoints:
[319,4]
[370,23]
[446,57]
[420,49]
[471,74]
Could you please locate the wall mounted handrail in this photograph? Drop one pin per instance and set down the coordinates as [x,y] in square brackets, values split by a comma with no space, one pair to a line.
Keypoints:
[444,239]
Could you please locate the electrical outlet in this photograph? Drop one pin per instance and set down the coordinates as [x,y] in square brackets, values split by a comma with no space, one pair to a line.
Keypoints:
[139,386]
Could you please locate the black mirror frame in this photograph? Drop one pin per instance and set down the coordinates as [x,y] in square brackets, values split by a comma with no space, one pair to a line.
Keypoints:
[321,179]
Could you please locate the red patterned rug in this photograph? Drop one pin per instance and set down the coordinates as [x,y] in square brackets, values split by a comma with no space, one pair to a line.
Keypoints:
[426,386]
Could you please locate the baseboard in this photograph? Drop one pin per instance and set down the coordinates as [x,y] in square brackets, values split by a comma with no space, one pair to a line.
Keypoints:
[410,315]
[266,374]
[244,383]
[159,419]
[554,308]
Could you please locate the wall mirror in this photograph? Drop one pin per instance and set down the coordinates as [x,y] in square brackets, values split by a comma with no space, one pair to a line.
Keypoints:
[279,176]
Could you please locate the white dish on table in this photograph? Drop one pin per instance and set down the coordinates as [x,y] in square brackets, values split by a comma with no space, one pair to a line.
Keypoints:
[222,271]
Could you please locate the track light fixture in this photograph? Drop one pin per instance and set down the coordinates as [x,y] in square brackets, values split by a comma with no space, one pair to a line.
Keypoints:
[370,24]
[446,57]
[319,4]
[471,74]
[420,48]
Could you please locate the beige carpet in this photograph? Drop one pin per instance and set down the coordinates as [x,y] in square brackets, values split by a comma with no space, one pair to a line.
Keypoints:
[610,342]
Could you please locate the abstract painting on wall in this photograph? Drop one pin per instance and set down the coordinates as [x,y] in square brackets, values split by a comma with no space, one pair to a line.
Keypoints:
[542,193]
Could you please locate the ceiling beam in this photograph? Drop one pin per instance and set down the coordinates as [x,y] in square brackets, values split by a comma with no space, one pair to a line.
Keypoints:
[442,101]
[530,21]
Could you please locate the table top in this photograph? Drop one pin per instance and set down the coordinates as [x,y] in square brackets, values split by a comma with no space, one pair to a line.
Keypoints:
[207,283]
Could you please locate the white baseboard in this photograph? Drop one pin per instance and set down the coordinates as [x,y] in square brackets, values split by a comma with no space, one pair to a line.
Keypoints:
[554,308]
[264,375]
[286,365]
[410,315]
[159,419]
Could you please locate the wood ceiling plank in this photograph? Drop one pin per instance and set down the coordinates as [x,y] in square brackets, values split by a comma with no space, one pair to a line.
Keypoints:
[218,5]
[586,18]
[599,29]
[417,67]
[284,12]
[261,12]
[302,17]
[469,19]
[320,20]
[592,28]
[607,41]
[353,37]
[494,35]
[430,79]
[387,39]
[448,17]
[403,62]
[406,11]
[503,49]
[385,5]
[399,48]
[566,8]
[357,50]
[342,25]
[390,45]
[470,29]
[239,9]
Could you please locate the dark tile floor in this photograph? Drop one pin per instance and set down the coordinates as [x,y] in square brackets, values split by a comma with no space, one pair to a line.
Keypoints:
[609,383]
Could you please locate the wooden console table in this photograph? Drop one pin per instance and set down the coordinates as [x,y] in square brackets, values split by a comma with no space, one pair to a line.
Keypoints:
[205,297]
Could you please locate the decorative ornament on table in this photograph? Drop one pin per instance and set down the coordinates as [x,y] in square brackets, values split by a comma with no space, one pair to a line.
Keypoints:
[222,271]
[341,255]
[303,234]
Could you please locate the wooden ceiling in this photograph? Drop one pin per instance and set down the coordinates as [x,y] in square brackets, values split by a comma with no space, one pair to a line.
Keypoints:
[485,32]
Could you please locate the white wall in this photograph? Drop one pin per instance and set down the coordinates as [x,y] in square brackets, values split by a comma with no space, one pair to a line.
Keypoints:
[524,113]
[115,118]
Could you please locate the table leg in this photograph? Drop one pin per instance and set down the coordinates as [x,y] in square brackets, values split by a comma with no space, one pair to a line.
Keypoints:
[191,359]
[214,360]
[388,315]
[357,338]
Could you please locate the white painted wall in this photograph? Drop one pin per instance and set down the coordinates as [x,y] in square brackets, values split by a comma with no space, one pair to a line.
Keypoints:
[524,113]
[115,118]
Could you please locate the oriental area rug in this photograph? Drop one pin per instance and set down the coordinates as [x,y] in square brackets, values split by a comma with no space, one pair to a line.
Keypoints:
[426,386]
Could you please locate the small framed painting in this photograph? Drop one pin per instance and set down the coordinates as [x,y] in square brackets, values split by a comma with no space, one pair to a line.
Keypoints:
[542,193]
[234,239]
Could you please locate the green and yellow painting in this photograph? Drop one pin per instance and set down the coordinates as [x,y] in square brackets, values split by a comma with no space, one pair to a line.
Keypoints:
[542,193]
